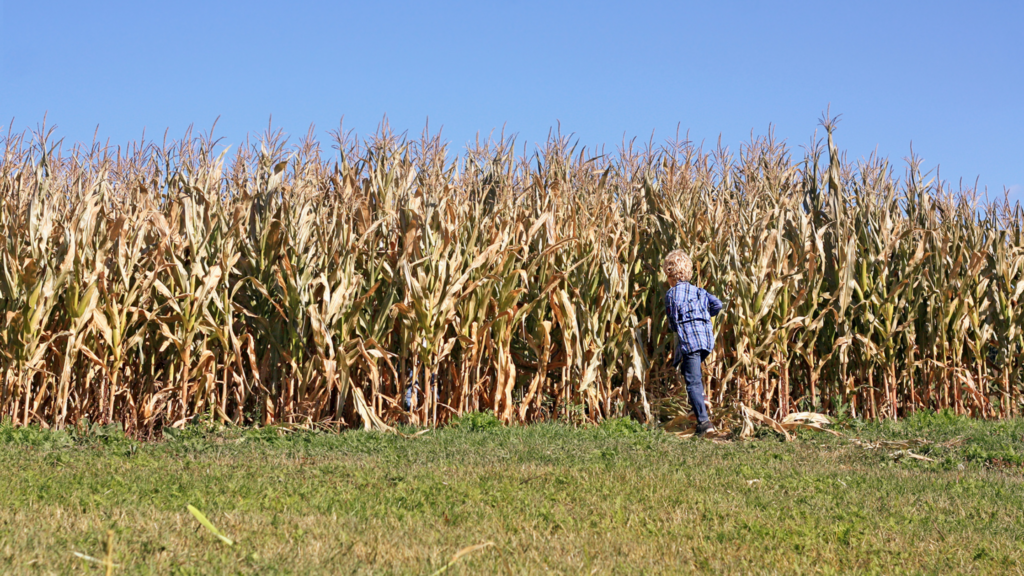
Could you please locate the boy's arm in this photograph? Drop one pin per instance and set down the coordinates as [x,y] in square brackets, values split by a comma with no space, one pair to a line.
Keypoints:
[714,304]
[670,312]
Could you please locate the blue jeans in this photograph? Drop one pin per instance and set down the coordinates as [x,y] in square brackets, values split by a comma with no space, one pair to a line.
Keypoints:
[689,365]
[413,390]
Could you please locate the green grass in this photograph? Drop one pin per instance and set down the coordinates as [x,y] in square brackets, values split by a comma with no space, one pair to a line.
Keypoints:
[610,499]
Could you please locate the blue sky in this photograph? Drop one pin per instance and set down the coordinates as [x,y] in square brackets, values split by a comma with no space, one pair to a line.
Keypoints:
[947,76]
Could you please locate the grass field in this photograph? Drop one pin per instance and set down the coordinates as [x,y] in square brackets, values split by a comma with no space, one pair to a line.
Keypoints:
[550,498]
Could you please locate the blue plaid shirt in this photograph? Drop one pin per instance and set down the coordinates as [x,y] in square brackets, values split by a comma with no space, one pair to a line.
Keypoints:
[689,310]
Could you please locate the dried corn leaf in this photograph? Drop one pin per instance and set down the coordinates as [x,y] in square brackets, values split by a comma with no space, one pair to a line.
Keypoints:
[681,422]
[908,454]
[755,416]
[807,417]
[791,426]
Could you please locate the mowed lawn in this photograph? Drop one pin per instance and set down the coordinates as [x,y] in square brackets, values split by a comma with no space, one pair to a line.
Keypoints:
[541,499]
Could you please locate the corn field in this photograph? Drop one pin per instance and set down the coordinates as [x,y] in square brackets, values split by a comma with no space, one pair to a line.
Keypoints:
[386,282]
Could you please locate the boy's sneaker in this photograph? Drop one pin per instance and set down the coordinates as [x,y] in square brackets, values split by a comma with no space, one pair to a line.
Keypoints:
[705,427]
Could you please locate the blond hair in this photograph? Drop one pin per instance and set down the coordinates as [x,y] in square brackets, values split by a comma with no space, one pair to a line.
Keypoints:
[678,267]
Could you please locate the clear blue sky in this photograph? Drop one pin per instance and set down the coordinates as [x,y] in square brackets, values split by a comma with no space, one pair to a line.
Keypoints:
[948,76]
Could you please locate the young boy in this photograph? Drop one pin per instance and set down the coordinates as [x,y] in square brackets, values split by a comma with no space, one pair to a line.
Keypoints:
[689,310]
